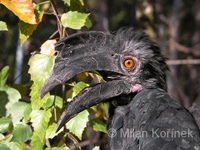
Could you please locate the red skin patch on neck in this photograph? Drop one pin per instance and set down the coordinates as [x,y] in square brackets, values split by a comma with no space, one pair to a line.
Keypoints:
[136,88]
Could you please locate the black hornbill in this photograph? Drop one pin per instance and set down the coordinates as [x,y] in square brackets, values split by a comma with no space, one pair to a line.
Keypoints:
[142,114]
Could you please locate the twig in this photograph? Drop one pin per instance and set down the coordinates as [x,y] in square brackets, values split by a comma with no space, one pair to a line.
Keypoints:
[63,94]
[184,62]
[164,19]
[53,34]
[57,17]
[84,143]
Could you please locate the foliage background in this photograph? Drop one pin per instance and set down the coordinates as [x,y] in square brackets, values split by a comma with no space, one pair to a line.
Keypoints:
[174,24]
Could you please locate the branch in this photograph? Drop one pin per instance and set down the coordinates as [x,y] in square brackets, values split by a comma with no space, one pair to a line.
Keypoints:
[184,62]
[93,141]
[194,50]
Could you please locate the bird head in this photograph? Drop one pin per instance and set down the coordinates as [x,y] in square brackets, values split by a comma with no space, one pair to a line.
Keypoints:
[127,60]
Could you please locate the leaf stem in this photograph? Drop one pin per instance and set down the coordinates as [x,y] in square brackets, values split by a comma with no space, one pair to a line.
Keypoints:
[55,12]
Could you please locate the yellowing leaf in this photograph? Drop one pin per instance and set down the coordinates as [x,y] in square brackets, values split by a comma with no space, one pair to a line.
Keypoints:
[21,8]
[47,48]
[40,67]
[27,29]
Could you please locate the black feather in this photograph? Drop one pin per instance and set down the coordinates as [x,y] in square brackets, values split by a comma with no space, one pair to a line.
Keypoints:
[143,123]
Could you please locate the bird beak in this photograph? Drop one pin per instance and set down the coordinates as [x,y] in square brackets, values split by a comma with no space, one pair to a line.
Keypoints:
[82,53]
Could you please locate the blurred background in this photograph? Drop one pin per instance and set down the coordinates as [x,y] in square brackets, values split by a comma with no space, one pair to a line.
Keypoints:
[173,24]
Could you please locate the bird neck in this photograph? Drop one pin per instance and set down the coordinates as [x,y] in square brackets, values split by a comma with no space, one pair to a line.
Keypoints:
[122,100]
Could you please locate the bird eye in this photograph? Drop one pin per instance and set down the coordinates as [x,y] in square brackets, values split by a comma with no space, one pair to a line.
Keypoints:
[129,63]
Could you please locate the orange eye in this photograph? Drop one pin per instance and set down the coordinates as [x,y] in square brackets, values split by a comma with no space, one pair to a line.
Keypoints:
[128,63]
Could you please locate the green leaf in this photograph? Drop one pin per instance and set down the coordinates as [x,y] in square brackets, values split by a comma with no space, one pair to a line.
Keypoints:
[50,133]
[3,26]
[88,23]
[59,102]
[37,141]
[40,120]
[4,75]
[74,19]
[6,144]
[57,148]
[13,96]
[10,96]
[97,125]
[15,145]
[1,137]
[4,124]
[50,101]
[96,148]
[71,93]
[77,124]
[4,147]
[21,133]
[79,87]
[27,113]
[8,138]
[18,111]
[76,5]
[40,67]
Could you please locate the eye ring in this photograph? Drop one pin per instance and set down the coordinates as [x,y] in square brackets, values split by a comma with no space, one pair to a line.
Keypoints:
[129,63]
